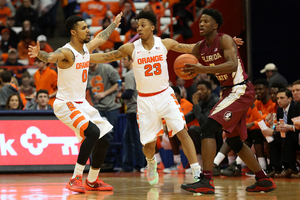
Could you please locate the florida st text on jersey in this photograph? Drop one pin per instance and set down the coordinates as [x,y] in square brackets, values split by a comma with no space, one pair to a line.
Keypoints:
[213,55]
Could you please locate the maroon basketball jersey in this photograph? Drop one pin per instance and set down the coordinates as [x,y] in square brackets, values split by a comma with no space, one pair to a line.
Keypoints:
[213,55]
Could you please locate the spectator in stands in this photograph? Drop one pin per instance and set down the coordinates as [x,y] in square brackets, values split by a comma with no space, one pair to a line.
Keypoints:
[25,87]
[94,8]
[103,84]
[283,148]
[5,12]
[296,91]
[7,41]
[69,7]
[185,14]
[44,46]
[215,84]
[10,22]
[7,88]
[14,102]
[47,19]
[46,79]
[120,7]
[23,45]
[273,76]
[132,147]
[132,32]
[27,27]
[128,14]
[180,83]
[42,99]
[114,40]
[26,12]
[12,60]
[157,7]
[193,88]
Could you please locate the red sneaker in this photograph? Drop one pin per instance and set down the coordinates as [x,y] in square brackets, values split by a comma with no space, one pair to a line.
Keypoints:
[75,184]
[97,185]
[262,185]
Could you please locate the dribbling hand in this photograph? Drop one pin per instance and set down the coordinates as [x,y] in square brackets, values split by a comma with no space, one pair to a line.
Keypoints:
[193,68]
[34,51]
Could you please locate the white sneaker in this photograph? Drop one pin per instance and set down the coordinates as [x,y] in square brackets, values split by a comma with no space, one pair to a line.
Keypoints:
[152,175]
[188,171]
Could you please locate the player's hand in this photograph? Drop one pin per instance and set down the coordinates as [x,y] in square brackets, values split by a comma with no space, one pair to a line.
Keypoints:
[34,51]
[118,19]
[238,41]
[297,124]
[193,68]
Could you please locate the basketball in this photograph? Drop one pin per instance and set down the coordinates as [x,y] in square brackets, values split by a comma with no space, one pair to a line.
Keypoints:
[179,64]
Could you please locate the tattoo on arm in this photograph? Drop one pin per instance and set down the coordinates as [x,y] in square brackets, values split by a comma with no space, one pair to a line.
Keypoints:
[107,32]
[43,56]
[185,48]
[112,56]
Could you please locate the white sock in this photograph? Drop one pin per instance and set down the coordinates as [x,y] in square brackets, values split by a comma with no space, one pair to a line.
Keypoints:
[177,159]
[219,158]
[158,158]
[262,162]
[199,158]
[231,159]
[93,174]
[78,170]
[238,161]
[196,168]
[151,159]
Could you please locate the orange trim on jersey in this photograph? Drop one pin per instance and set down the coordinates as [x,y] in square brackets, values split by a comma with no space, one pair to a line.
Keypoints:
[78,120]
[161,132]
[170,133]
[73,114]
[82,129]
[150,94]
[78,102]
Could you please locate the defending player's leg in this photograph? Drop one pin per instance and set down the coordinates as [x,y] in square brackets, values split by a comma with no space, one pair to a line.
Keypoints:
[264,183]
[208,148]
[190,152]
[93,182]
[149,151]
[91,133]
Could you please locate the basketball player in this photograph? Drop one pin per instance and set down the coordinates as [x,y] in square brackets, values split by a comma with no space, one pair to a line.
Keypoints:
[156,100]
[70,105]
[218,54]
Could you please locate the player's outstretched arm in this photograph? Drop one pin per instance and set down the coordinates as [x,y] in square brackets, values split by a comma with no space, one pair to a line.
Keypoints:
[122,52]
[54,57]
[171,44]
[103,36]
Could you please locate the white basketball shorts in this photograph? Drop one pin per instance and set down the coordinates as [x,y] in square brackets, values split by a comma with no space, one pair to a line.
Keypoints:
[77,117]
[152,109]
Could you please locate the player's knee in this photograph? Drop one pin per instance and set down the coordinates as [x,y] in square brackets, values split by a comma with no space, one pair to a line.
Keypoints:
[103,143]
[92,131]
[235,143]
[209,128]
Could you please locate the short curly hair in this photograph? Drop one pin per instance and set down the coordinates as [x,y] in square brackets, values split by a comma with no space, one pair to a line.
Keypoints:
[215,14]
[147,15]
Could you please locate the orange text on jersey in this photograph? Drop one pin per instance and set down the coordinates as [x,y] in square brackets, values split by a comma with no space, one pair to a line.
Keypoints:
[150,59]
[83,65]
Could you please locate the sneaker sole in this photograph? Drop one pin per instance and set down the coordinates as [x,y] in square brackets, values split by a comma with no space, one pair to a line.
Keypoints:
[99,189]
[74,189]
[200,190]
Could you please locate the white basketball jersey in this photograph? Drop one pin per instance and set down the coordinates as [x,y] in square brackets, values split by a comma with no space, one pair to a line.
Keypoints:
[71,82]
[150,67]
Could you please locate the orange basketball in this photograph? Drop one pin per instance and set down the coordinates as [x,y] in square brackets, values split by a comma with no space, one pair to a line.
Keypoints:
[179,64]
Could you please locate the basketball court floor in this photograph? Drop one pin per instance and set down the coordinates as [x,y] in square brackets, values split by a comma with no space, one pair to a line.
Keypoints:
[134,186]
